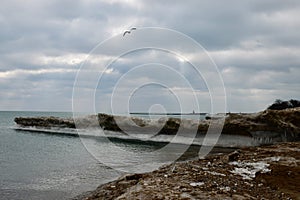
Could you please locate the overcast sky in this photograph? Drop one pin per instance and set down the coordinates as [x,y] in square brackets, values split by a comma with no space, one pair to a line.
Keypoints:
[255,45]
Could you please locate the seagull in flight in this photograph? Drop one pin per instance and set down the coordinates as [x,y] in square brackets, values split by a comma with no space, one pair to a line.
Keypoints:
[129,31]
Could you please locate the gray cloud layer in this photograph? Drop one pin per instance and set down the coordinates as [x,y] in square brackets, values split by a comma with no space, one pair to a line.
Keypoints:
[255,44]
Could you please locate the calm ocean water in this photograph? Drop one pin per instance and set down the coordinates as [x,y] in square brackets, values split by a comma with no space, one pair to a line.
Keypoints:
[46,166]
[41,166]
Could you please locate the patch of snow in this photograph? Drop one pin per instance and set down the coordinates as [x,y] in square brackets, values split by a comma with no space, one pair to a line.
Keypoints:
[226,189]
[194,184]
[288,161]
[186,196]
[248,169]
[273,159]
[216,173]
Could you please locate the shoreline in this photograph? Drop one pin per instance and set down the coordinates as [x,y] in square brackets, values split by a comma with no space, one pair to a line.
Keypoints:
[252,172]
[271,172]
[265,127]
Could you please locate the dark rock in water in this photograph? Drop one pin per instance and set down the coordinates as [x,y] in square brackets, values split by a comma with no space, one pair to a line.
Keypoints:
[107,122]
[208,117]
[171,127]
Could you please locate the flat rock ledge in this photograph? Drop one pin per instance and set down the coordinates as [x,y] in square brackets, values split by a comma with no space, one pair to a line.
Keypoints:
[266,172]
[281,126]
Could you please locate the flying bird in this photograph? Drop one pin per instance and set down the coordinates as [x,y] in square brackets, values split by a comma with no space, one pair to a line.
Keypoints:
[129,31]
[126,33]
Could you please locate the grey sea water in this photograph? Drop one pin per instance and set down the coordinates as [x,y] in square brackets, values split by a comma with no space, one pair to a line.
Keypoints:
[43,166]
[35,165]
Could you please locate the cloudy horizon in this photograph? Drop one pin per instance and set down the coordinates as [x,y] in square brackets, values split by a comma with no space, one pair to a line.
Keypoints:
[254,44]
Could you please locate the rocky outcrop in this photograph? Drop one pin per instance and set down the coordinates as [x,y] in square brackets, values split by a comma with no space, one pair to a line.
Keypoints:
[275,123]
[268,172]
[44,122]
[279,125]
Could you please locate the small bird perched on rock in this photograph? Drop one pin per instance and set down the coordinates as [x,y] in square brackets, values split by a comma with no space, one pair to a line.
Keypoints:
[129,31]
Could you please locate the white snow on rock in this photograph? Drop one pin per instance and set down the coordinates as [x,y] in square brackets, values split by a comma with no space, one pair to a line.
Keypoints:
[216,173]
[194,184]
[226,189]
[273,159]
[288,161]
[248,169]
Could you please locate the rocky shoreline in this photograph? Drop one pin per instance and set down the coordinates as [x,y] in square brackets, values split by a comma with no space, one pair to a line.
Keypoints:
[263,172]
[266,172]
[269,126]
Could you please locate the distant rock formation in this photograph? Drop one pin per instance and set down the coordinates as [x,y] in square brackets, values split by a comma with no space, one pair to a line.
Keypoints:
[44,122]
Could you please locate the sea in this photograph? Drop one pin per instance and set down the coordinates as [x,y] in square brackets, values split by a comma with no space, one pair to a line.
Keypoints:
[38,165]
[44,166]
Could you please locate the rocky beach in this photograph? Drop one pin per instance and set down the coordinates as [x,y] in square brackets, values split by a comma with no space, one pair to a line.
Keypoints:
[268,169]
[266,172]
